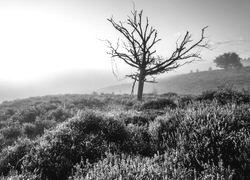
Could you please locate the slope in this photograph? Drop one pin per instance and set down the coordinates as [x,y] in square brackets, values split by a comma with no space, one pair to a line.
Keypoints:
[192,83]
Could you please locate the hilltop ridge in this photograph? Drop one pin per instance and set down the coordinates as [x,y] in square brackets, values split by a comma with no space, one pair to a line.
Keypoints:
[192,83]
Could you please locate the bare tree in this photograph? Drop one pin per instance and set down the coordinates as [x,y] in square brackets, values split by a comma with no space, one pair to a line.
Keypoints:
[137,50]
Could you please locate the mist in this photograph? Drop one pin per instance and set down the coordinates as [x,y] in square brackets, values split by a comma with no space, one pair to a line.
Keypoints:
[55,47]
[70,82]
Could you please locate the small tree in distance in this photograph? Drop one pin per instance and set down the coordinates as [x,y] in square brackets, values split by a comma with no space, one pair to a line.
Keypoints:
[229,60]
[137,50]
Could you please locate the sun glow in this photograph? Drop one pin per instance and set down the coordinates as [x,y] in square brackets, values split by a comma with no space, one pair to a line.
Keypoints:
[34,43]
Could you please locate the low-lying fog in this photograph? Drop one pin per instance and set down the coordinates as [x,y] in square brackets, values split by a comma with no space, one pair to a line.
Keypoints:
[68,82]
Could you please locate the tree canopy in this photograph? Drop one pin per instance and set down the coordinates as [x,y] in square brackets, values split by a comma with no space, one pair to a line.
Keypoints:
[230,60]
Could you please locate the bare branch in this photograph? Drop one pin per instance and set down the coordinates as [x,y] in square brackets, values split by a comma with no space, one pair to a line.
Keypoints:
[137,49]
[182,52]
[125,57]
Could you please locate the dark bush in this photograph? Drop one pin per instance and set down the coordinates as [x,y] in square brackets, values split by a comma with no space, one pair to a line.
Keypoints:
[158,104]
[88,122]
[115,130]
[138,118]
[58,150]
[26,115]
[225,94]
[58,115]
[12,132]
[208,95]
[12,156]
[183,101]
[30,130]
[164,131]
[169,95]
[140,142]
[41,125]
[6,113]
[2,142]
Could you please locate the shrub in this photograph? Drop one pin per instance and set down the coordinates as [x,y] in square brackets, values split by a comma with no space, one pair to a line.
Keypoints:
[58,115]
[208,95]
[138,118]
[197,140]
[164,130]
[55,153]
[26,115]
[185,100]
[15,175]
[115,130]
[139,141]
[12,132]
[12,156]
[6,113]
[169,95]
[211,132]
[158,104]
[2,142]
[30,130]
[167,166]
[225,94]
[88,103]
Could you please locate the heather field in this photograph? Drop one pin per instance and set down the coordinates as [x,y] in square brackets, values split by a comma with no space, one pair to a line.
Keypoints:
[104,136]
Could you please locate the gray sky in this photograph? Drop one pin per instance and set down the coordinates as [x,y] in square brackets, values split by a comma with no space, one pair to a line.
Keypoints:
[40,38]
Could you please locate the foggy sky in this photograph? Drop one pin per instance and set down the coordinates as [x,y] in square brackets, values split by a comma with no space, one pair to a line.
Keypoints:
[42,38]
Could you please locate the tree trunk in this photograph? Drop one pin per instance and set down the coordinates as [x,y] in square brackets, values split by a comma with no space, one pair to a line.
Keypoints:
[140,85]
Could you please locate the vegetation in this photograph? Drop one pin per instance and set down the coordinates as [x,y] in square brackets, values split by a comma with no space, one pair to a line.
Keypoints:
[163,137]
[229,60]
[194,83]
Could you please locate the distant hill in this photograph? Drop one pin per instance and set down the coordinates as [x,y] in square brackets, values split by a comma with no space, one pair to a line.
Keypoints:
[192,83]
[72,82]
[79,82]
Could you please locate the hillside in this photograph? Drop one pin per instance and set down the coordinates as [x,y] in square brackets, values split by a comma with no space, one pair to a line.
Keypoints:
[192,83]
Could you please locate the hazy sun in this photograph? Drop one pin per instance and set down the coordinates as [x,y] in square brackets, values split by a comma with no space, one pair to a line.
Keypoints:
[34,43]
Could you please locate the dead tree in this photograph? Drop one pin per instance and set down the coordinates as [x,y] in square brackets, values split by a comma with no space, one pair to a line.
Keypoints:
[137,49]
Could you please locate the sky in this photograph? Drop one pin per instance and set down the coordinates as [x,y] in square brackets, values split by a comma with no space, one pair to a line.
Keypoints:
[41,40]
